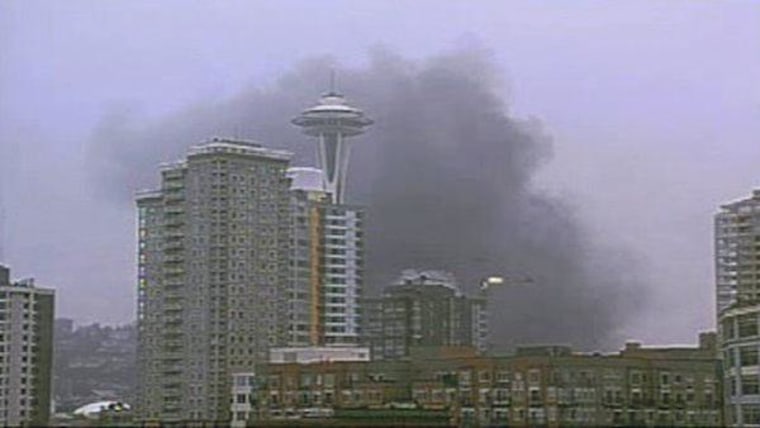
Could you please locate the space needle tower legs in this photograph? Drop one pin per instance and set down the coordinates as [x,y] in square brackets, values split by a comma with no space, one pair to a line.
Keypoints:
[332,121]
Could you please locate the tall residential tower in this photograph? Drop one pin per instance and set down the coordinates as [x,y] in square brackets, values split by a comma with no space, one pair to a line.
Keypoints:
[327,264]
[213,274]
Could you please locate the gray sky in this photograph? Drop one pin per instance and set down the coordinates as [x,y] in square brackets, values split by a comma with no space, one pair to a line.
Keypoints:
[653,107]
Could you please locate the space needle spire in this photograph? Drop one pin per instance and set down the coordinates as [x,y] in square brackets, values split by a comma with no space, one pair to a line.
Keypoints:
[332,121]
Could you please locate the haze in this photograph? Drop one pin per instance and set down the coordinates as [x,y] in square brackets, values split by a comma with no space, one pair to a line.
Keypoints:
[652,109]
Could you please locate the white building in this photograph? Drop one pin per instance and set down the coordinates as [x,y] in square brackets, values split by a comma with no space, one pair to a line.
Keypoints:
[737,277]
[243,407]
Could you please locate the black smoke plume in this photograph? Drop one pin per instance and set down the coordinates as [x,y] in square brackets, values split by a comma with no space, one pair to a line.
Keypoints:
[446,174]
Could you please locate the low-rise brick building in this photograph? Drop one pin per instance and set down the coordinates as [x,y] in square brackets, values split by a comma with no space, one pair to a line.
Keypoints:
[537,386]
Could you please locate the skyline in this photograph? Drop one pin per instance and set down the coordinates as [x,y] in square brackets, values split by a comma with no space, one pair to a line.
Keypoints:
[586,139]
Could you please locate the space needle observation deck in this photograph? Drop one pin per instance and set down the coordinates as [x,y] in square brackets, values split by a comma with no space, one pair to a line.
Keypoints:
[332,122]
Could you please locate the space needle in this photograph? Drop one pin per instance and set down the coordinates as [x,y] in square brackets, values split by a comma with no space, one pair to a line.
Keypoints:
[333,121]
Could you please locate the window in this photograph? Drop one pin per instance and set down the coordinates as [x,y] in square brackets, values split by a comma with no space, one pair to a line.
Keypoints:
[534,376]
[750,385]
[241,399]
[329,380]
[665,379]
[748,356]
[274,381]
[751,414]
[747,325]
[728,358]
[728,329]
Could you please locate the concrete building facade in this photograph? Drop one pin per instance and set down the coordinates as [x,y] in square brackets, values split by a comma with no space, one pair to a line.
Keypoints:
[737,278]
[26,351]
[423,308]
[213,254]
[737,252]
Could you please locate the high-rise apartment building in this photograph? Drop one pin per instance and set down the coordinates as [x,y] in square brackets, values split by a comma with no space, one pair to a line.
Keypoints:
[214,243]
[327,264]
[737,274]
[737,252]
[423,308]
[238,255]
[26,351]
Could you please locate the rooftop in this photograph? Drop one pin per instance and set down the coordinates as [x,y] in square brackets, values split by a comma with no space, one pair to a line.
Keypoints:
[753,200]
[414,277]
[238,146]
[306,178]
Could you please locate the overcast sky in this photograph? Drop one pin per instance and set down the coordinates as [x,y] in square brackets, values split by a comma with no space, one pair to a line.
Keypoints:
[654,108]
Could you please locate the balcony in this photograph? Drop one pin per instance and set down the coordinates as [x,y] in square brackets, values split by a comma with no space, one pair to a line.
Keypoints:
[172,370]
[174,271]
[171,307]
[174,195]
[173,258]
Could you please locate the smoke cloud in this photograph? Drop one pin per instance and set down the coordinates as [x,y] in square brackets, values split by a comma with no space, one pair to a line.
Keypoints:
[446,173]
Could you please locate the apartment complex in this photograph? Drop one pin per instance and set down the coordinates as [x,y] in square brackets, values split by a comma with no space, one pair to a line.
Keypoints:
[538,386]
[245,405]
[26,351]
[213,255]
[737,276]
[737,252]
[423,308]
[327,264]
[237,255]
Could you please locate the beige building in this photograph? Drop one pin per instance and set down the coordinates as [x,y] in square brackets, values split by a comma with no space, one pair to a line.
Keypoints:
[213,275]
[423,308]
[26,351]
